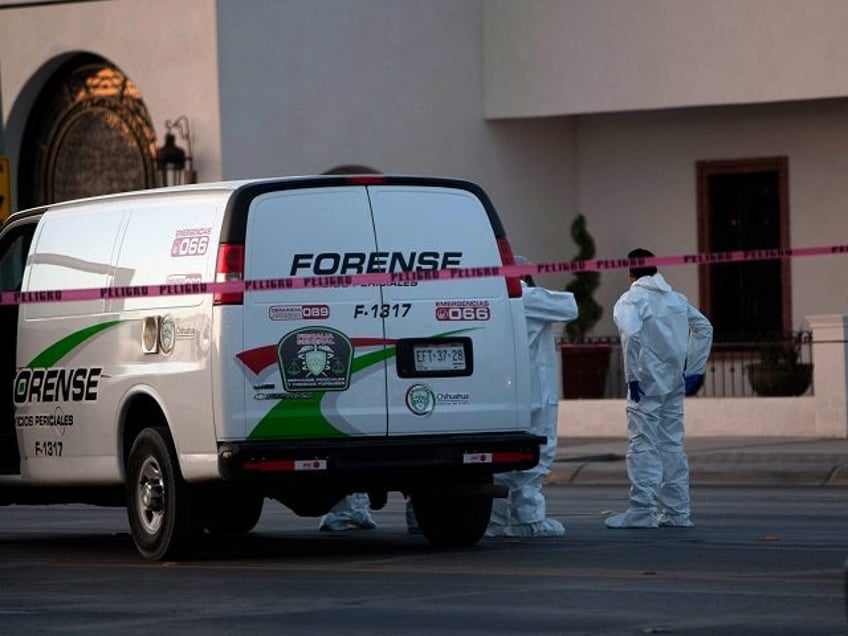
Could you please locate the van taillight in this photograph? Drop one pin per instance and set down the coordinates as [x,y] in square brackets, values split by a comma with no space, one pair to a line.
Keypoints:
[513,283]
[230,267]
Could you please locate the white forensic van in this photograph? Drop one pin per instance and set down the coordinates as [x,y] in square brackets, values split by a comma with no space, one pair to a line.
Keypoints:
[192,408]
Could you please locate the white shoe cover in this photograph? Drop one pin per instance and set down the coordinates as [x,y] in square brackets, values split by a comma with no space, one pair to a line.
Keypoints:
[363,520]
[356,520]
[411,519]
[675,521]
[495,530]
[632,519]
[545,528]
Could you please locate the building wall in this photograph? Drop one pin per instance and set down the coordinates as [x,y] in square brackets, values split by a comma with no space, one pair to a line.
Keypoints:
[288,87]
[637,186]
[705,417]
[395,85]
[564,57]
[167,48]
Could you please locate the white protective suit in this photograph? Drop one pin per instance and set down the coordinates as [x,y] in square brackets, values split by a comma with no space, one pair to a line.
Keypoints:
[663,338]
[350,513]
[523,513]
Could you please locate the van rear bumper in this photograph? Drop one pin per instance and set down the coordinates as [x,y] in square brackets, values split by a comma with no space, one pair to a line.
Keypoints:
[395,459]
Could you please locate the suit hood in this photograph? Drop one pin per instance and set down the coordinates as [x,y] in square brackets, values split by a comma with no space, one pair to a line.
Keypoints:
[655,282]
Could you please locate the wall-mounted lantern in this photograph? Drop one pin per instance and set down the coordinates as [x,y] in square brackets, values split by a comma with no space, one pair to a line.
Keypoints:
[175,165]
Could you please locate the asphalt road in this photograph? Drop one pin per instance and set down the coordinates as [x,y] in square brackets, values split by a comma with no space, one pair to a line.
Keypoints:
[759,561]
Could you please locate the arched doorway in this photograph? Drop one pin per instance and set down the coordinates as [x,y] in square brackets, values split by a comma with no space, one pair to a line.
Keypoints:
[88,133]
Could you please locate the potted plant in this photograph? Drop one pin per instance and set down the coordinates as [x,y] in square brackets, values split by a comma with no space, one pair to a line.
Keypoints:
[780,371]
[584,365]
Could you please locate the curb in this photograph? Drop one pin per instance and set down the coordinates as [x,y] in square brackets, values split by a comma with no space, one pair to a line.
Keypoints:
[768,471]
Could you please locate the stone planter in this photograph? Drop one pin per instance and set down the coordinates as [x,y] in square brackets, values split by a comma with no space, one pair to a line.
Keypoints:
[768,380]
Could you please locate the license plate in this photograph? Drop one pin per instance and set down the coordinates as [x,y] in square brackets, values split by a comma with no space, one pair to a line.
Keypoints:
[434,357]
[447,356]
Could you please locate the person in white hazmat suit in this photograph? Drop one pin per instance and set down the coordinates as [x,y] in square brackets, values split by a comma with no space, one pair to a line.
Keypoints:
[665,343]
[523,513]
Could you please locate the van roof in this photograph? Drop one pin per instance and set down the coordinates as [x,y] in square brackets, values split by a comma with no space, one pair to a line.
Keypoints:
[244,190]
[269,183]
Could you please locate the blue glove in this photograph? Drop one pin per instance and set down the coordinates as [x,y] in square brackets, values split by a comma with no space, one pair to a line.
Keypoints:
[635,390]
[692,383]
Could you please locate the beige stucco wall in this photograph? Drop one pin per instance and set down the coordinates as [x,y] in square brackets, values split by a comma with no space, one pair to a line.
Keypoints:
[562,57]
[291,87]
[637,186]
[167,48]
[276,87]
[393,84]
[705,417]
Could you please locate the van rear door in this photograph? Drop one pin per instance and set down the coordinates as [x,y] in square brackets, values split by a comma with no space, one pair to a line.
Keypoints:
[455,366]
[315,357]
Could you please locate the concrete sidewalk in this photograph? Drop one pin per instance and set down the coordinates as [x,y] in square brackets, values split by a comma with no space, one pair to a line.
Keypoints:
[795,461]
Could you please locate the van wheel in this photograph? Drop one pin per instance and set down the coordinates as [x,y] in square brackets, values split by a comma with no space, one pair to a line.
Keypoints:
[233,511]
[165,513]
[450,520]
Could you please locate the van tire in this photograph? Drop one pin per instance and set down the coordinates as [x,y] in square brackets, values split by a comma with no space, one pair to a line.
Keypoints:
[232,511]
[165,513]
[452,520]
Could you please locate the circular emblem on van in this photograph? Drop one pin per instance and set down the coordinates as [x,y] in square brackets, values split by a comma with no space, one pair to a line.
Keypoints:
[315,359]
[167,334]
[420,399]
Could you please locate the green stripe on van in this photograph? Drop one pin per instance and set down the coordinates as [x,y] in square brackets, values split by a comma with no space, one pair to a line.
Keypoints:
[303,418]
[55,352]
[296,418]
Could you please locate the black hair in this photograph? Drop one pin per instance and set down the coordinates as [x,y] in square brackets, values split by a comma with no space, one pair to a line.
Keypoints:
[638,272]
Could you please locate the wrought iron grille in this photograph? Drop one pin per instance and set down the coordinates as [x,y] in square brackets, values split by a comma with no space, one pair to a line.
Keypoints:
[735,367]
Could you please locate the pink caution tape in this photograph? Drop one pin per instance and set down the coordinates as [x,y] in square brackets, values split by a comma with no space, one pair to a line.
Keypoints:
[230,287]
